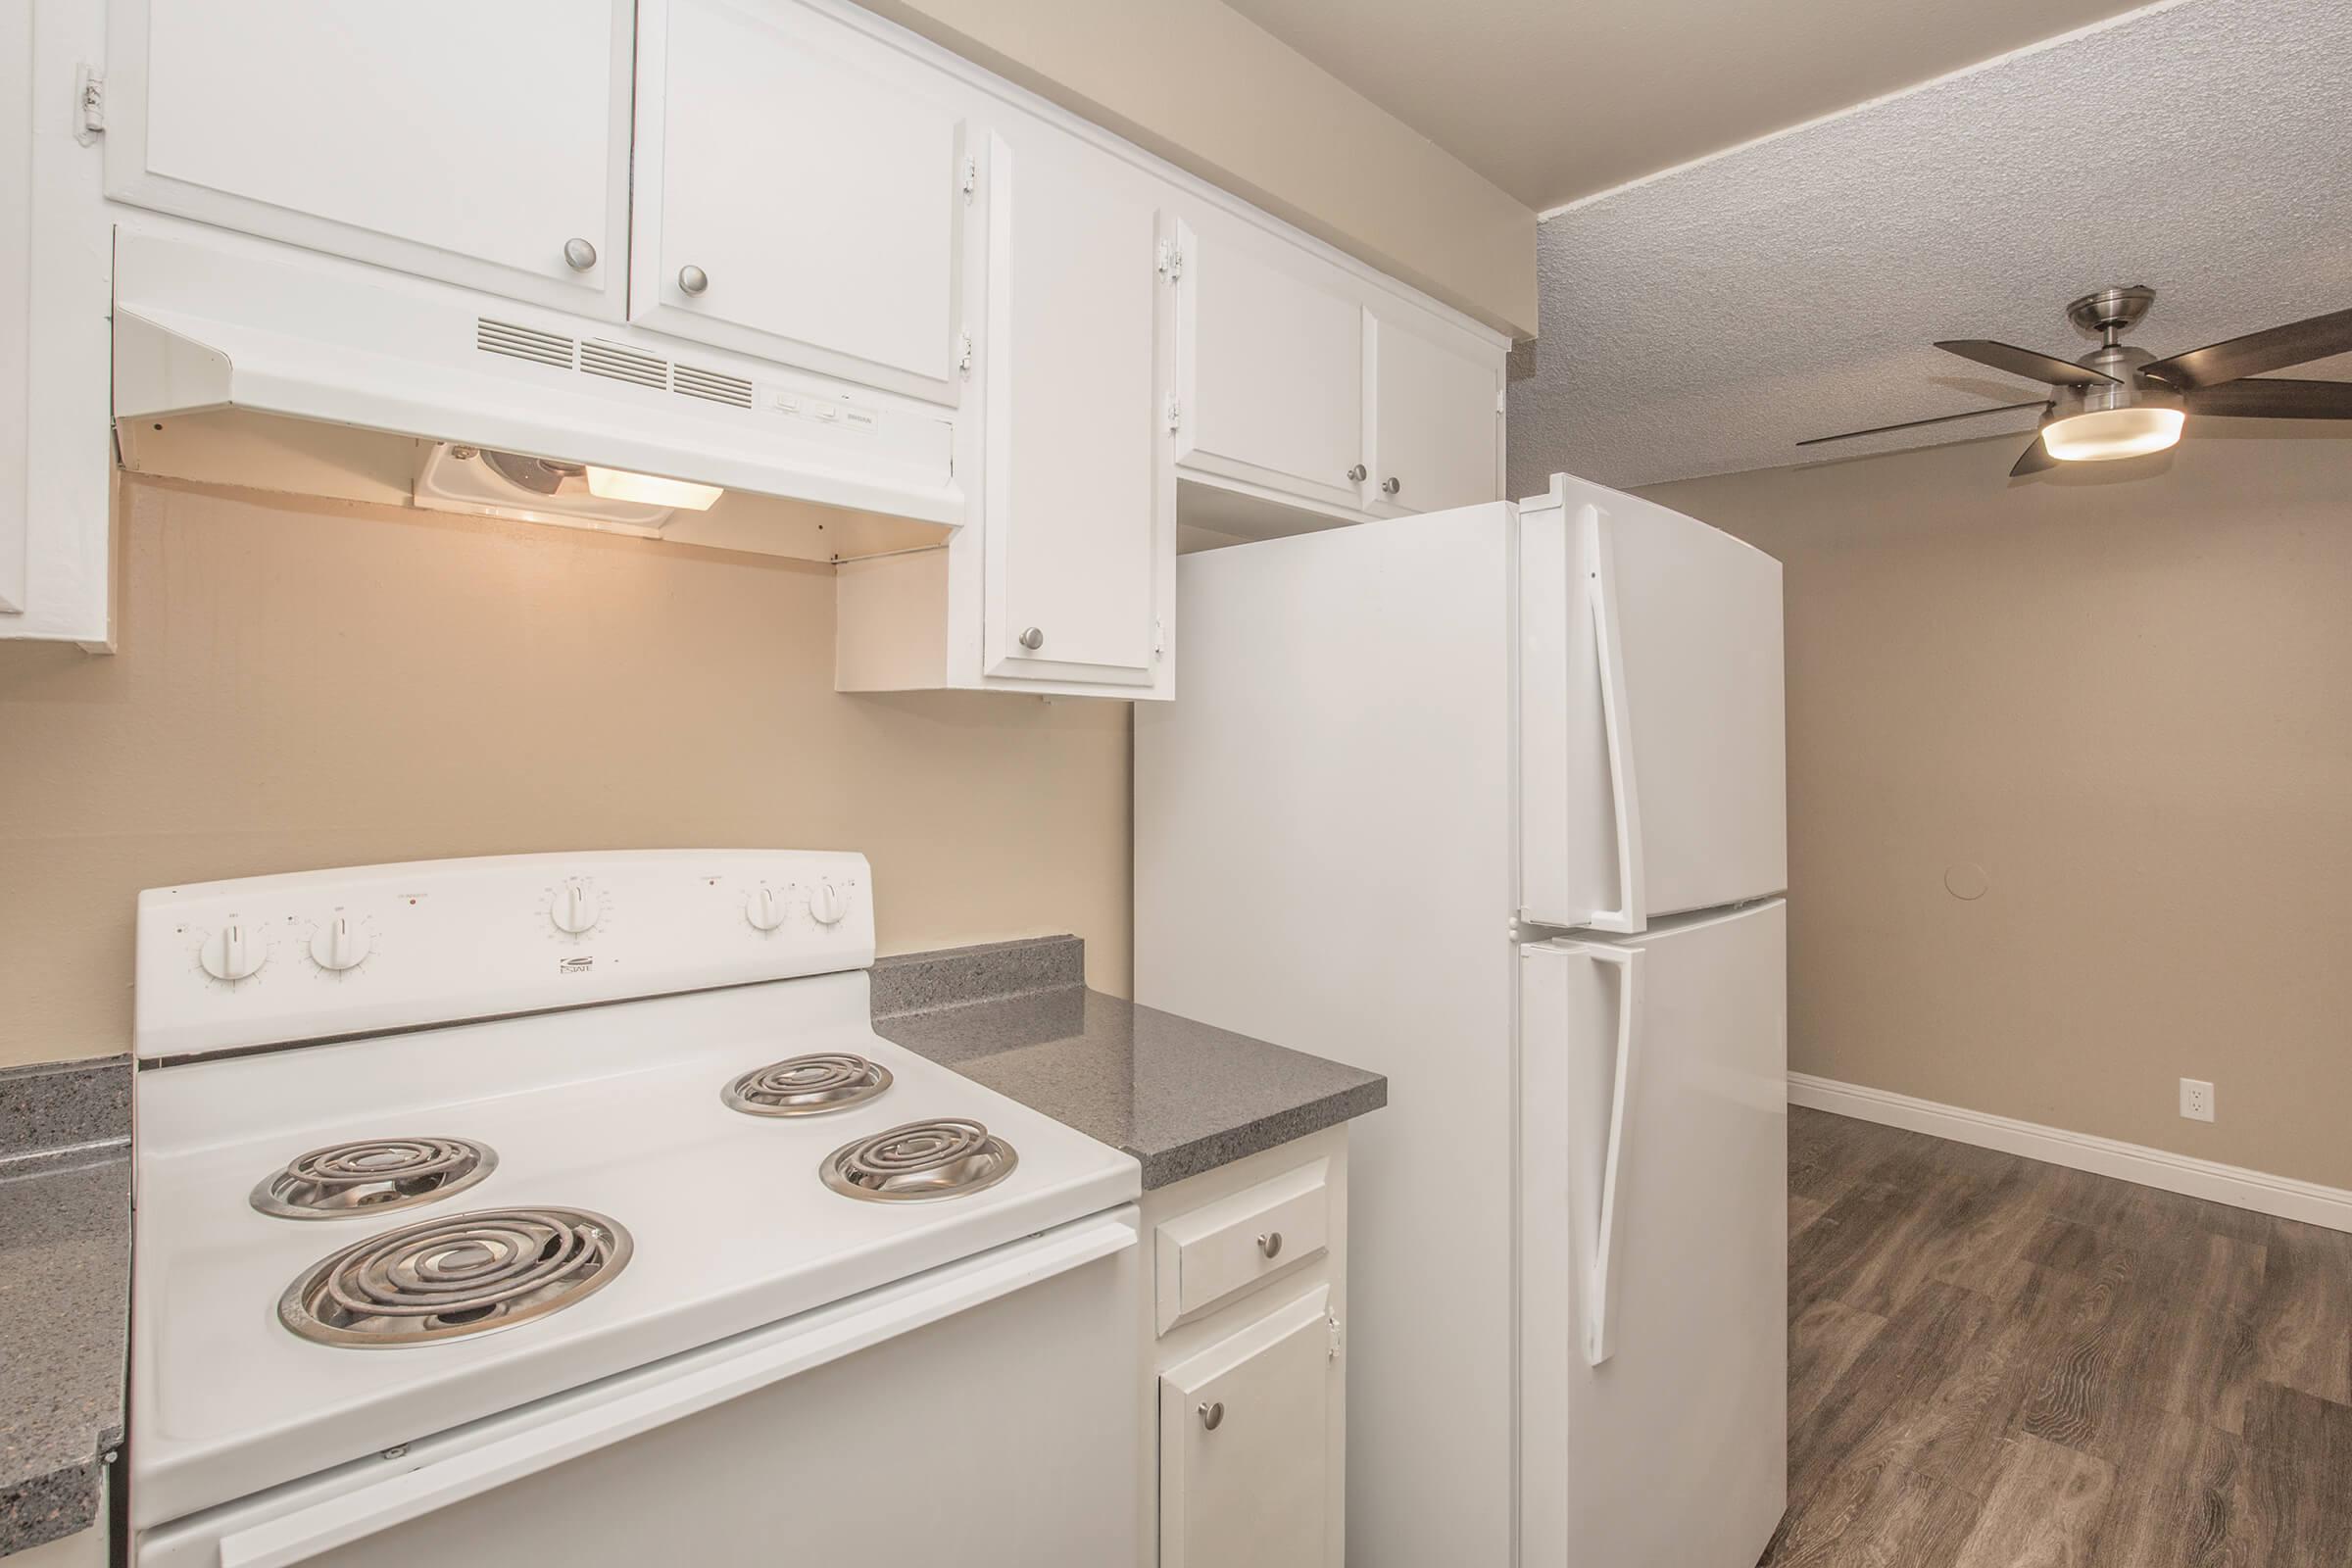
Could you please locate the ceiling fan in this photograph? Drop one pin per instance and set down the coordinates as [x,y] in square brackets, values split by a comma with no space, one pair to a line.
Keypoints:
[2120,401]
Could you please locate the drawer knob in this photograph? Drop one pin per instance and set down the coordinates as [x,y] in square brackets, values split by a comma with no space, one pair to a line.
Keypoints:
[1390,486]
[1270,1243]
[693,279]
[1358,472]
[578,254]
[1032,639]
[1212,1416]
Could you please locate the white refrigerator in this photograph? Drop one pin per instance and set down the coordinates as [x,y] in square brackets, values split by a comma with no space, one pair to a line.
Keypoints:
[1493,801]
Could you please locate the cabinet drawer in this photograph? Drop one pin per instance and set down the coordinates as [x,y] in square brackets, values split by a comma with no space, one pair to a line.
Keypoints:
[1226,1249]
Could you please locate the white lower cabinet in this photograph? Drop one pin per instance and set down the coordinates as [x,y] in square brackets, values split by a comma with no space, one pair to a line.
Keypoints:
[1244,1363]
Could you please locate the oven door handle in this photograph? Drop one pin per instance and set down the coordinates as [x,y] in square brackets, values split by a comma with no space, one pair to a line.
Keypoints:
[437,1482]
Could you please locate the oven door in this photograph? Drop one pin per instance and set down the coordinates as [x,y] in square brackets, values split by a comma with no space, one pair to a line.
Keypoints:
[985,1413]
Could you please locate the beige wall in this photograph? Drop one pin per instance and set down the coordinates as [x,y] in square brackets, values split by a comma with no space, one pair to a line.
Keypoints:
[2129,701]
[307,684]
[1204,87]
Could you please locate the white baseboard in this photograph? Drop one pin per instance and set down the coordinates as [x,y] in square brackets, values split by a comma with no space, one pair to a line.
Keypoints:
[2234,1185]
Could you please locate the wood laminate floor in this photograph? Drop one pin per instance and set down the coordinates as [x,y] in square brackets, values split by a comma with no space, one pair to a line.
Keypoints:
[1997,1364]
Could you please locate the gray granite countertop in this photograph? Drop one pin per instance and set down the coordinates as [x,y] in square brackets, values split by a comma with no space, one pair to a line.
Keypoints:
[65,1291]
[1181,1096]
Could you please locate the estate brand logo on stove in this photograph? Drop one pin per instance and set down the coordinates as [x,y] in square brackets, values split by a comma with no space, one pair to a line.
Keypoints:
[579,966]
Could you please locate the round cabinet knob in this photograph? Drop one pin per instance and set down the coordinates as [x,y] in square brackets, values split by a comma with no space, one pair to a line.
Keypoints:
[339,945]
[763,909]
[828,904]
[576,907]
[1390,486]
[233,954]
[1270,1243]
[578,254]
[1212,1414]
[1359,473]
[693,279]
[1032,639]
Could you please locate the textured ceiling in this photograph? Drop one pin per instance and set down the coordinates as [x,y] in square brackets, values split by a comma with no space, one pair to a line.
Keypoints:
[1707,320]
[1553,101]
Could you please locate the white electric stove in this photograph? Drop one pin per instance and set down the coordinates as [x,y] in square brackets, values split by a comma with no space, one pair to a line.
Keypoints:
[568,1208]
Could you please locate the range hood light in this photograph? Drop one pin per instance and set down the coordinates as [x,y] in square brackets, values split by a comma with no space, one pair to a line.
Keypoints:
[2105,433]
[619,484]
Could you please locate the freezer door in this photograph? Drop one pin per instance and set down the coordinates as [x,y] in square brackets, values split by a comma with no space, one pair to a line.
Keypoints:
[1652,755]
[1653,1244]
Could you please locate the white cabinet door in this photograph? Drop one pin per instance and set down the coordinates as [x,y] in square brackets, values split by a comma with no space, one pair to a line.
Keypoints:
[801,193]
[1650,673]
[15,302]
[487,145]
[1270,367]
[1653,1256]
[1079,492]
[1437,416]
[1244,1461]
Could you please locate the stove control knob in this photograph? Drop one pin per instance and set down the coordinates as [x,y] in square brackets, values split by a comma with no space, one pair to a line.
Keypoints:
[763,908]
[233,954]
[576,907]
[828,904]
[338,945]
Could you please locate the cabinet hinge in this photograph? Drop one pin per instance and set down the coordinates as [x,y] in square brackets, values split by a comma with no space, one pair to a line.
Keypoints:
[964,354]
[1500,404]
[1175,414]
[1159,638]
[971,179]
[89,105]
[1331,1326]
[1171,261]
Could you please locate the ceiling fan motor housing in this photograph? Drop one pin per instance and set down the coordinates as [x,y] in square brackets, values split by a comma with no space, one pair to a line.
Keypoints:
[2129,390]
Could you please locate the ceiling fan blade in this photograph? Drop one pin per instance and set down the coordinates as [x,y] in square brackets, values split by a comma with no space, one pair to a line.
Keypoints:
[2257,399]
[2297,343]
[2033,459]
[2024,362]
[1913,424]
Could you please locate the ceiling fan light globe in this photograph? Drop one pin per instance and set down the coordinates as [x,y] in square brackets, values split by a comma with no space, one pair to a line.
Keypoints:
[2102,435]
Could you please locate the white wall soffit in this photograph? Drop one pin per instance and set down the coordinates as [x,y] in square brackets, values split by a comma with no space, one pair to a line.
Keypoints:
[1707,319]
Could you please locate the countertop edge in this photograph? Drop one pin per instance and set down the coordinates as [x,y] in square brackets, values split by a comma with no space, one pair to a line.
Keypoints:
[60,1502]
[1168,1166]
[65,1146]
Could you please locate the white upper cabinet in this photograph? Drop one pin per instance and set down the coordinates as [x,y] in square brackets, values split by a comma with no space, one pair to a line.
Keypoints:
[15,299]
[1079,496]
[1304,383]
[1436,413]
[801,192]
[486,145]
[1269,357]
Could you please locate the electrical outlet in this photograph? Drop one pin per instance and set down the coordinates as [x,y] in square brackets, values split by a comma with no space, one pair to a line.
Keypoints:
[2197,1100]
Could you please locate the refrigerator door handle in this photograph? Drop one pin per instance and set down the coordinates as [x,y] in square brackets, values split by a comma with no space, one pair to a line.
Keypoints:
[1609,647]
[1608,1236]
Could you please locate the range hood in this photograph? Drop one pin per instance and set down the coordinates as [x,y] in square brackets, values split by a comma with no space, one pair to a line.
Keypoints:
[322,355]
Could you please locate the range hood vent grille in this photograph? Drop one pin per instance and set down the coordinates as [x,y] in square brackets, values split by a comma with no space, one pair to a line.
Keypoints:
[732,391]
[523,343]
[618,364]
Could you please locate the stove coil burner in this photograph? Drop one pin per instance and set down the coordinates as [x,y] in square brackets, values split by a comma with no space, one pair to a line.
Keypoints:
[808,1086]
[923,1159]
[371,1176]
[441,1279]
